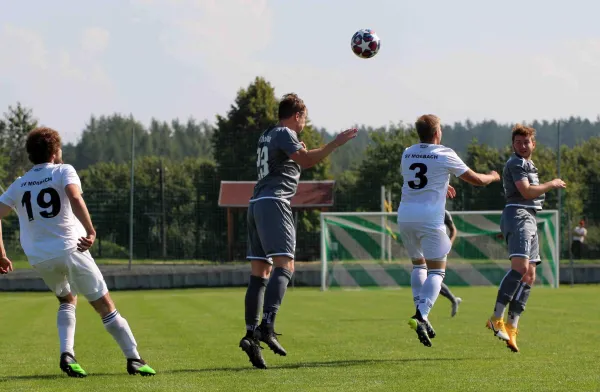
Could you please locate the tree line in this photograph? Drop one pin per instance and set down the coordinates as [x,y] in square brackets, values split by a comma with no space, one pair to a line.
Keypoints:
[180,165]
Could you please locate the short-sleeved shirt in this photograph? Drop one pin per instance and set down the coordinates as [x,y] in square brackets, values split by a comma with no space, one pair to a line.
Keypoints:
[516,169]
[426,170]
[278,174]
[579,233]
[48,227]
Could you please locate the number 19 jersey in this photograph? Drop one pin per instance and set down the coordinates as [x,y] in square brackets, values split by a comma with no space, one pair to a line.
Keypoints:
[48,227]
[426,170]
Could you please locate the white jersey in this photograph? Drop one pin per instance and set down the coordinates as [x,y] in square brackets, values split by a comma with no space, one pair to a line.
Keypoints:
[426,170]
[48,227]
[579,233]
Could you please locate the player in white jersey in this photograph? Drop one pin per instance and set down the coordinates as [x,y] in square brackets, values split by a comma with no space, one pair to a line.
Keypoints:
[56,234]
[426,170]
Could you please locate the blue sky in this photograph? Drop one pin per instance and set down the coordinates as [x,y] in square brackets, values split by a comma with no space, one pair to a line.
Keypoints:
[509,61]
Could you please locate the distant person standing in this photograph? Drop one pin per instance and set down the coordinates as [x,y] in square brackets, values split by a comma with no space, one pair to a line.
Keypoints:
[579,234]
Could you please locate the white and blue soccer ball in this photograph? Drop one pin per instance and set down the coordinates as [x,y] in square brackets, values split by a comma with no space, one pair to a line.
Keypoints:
[365,43]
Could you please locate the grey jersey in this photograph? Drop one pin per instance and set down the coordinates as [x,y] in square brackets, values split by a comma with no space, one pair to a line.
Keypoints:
[278,175]
[516,169]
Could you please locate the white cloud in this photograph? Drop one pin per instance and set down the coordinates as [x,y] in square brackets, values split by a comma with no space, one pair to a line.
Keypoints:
[221,37]
[62,87]
[27,43]
[94,40]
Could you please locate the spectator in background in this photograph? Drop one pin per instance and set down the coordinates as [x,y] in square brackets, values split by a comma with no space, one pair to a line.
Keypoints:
[579,234]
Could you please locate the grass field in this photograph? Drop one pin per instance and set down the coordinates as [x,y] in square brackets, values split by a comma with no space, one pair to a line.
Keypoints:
[337,341]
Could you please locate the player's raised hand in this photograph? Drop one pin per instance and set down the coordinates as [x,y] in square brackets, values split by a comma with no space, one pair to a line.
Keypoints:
[451,193]
[303,145]
[558,183]
[86,242]
[345,136]
[5,265]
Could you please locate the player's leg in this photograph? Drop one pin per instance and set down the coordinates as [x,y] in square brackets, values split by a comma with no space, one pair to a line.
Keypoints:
[87,280]
[446,293]
[413,248]
[436,245]
[517,305]
[412,244]
[518,227]
[53,272]
[259,276]
[278,235]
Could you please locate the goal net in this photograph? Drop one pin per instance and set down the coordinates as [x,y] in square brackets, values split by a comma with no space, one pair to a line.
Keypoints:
[364,249]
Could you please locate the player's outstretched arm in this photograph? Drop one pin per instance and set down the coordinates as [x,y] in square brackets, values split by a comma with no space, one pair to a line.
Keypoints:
[479,179]
[81,212]
[5,263]
[530,192]
[308,158]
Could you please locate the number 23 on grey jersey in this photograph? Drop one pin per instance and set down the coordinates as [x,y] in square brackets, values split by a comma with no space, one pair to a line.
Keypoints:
[278,175]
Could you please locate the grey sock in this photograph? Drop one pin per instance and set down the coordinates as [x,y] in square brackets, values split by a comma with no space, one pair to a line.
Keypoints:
[445,292]
[506,291]
[274,295]
[517,304]
[254,299]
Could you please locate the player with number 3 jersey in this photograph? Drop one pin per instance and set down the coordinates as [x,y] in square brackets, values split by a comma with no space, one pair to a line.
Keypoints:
[271,232]
[426,168]
[56,235]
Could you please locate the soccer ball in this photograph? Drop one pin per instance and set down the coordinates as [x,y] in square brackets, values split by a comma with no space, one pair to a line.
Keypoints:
[365,43]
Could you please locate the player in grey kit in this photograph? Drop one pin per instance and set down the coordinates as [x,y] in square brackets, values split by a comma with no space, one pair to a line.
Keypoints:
[271,232]
[524,197]
[445,291]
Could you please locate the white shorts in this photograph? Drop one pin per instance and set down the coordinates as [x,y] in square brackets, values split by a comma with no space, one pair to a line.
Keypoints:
[425,241]
[75,273]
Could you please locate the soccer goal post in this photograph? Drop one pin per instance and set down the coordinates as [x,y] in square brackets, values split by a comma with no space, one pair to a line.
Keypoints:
[353,254]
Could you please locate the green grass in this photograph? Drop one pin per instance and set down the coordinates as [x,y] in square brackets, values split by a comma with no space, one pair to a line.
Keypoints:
[337,341]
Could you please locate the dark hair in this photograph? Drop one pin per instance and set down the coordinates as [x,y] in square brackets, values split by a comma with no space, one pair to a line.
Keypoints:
[426,126]
[289,105]
[522,130]
[41,144]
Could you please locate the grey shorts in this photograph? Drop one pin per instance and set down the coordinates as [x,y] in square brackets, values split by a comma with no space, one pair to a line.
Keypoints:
[271,230]
[519,227]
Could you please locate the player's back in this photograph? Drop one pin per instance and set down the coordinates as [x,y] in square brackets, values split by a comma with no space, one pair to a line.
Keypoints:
[426,170]
[48,227]
[278,174]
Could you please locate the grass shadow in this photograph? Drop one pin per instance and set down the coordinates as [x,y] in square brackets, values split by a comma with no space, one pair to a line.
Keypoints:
[52,376]
[299,365]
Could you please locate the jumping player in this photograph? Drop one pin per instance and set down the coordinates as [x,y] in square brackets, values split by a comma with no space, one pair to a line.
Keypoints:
[426,169]
[271,232]
[524,198]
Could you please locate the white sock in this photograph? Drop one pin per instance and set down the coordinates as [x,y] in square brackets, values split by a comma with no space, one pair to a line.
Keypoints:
[417,278]
[118,327]
[430,291]
[65,322]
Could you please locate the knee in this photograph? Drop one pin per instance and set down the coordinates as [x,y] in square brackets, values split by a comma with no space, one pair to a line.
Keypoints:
[520,264]
[103,305]
[284,262]
[261,269]
[68,299]
[529,276]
